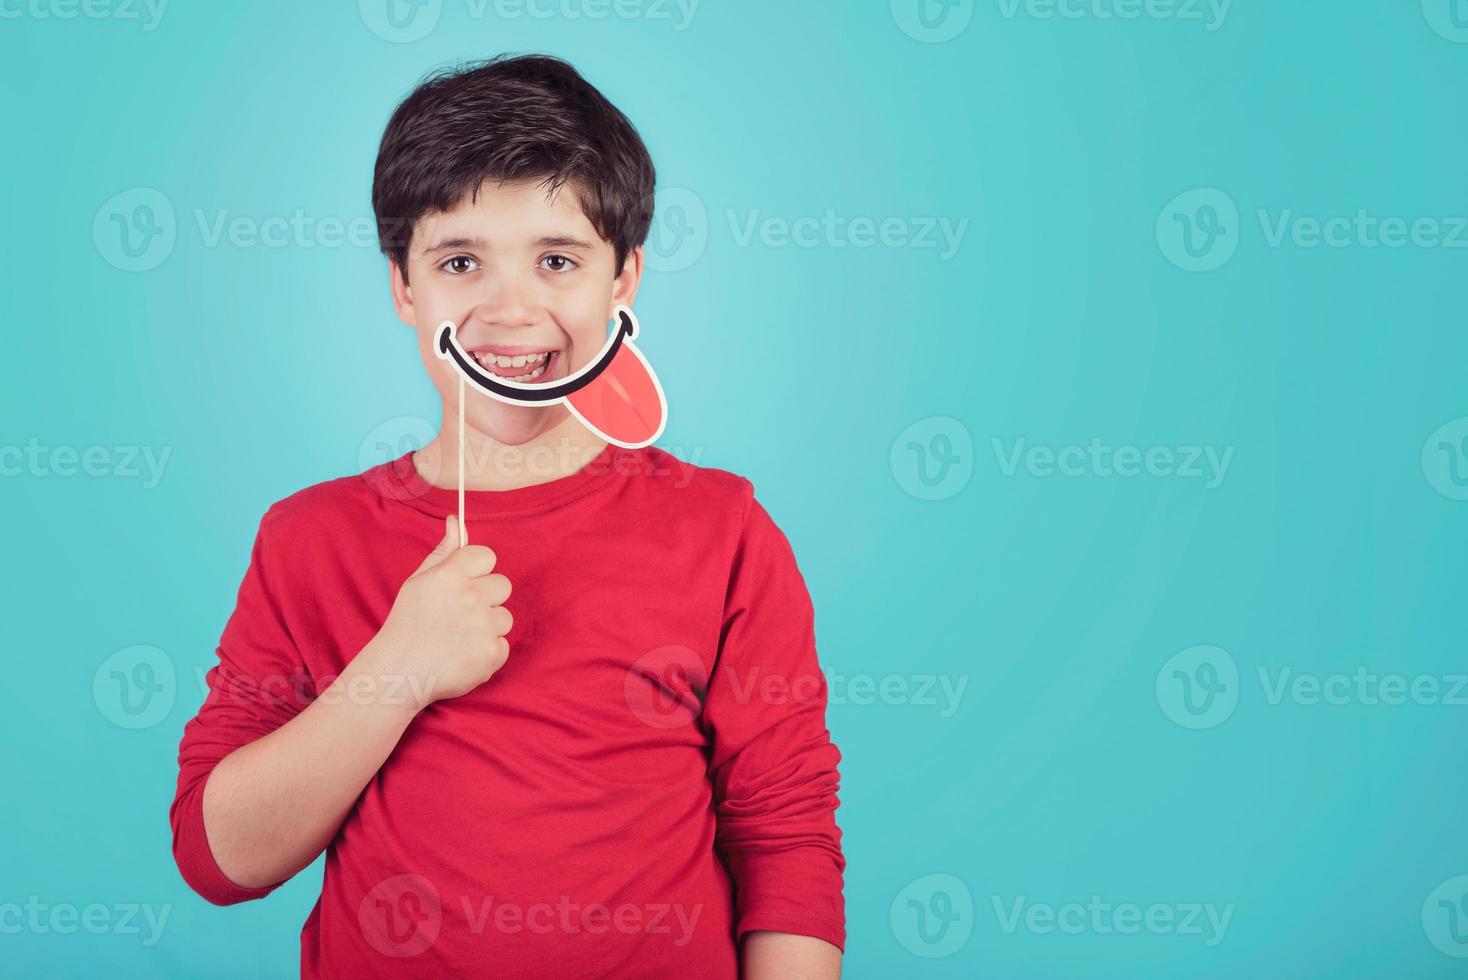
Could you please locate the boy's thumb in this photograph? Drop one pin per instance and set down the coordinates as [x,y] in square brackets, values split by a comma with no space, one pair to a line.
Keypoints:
[444,548]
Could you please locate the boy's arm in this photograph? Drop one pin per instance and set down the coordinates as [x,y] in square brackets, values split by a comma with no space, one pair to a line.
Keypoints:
[268,770]
[271,806]
[783,956]
[773,764]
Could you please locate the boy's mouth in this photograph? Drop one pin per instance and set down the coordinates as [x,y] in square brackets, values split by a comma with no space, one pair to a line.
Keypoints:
[523,365]
[541,376]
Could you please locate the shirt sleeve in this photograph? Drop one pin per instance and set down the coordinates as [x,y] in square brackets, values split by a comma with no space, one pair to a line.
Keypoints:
[258,684]
[773,763]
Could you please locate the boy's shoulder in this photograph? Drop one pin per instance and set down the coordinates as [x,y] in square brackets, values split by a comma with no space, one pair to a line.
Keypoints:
[692,502]
[667,473]
[334,499]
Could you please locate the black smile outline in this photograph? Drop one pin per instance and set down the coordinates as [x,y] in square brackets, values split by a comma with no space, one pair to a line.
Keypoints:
[448,347]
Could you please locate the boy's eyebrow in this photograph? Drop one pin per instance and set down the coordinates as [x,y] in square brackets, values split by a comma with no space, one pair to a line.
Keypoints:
[562,241]
[549,241]
[449,243]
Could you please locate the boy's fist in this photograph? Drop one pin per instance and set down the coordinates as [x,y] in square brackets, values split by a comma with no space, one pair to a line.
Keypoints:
[446,631]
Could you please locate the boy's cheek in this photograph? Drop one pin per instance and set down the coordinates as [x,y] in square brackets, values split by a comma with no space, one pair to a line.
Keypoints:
[440,372]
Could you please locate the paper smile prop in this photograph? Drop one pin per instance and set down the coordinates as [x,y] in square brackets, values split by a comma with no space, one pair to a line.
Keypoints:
[617,396]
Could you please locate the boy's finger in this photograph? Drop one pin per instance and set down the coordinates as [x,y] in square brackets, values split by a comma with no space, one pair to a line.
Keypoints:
[444,548]
[495,588]
[471,561]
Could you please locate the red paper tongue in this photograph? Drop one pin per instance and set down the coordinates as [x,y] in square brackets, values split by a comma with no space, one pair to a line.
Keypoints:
[624,405]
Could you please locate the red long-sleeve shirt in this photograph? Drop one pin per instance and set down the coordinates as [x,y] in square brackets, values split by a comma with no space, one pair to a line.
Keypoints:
[646,779]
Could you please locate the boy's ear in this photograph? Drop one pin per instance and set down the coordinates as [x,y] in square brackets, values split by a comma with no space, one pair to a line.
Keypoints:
[402,296]
[624,286]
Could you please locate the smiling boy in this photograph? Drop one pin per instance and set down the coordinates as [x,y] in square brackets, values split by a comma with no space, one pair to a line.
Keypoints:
[552,750]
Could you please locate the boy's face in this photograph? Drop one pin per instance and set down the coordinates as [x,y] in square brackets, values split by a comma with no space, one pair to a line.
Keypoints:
[531,285]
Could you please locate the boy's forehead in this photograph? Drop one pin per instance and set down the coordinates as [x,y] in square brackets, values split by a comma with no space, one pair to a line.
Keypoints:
[509,210]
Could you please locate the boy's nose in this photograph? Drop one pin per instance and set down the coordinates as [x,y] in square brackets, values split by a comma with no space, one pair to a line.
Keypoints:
[506,306]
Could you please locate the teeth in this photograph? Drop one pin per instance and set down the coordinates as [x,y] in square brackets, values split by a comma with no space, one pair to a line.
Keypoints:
[520,360]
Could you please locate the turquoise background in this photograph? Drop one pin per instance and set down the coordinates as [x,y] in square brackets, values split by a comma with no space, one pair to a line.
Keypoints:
[1072,765]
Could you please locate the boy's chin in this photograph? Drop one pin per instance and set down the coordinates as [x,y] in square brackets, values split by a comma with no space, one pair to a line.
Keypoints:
[509,425]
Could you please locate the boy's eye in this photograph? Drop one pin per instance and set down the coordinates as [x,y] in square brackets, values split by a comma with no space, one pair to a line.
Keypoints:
[459,265]
[558,263]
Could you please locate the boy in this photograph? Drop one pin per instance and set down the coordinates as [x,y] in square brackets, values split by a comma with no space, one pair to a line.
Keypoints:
[630,777]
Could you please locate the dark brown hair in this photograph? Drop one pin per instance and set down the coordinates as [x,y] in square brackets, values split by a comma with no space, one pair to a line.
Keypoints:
[507,119]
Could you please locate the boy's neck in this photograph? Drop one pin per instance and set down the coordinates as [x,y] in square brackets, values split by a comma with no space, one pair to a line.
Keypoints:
[489,464]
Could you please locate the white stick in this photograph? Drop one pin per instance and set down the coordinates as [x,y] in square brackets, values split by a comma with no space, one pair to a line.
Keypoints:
[463,529]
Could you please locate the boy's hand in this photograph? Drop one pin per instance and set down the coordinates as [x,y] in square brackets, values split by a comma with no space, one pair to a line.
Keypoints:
[447,626]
